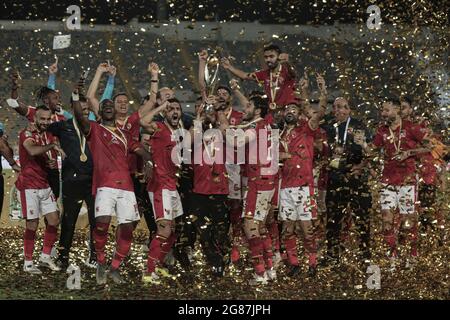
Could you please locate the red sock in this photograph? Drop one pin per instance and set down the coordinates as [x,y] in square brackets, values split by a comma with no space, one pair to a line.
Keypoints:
[412,237]
[154,252]
[28,244]
[100,238]
[389,237]
[268,253]
[49,238]
[166,246]
[290,245]
[311,249]
[275,235]
[236,224]
[123,244]
[256,252]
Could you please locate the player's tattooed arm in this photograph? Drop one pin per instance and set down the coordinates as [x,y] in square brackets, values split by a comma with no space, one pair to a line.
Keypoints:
[234,85]
[22,108]
[304,88]
[144,109]
[226,64]
[147,122]
[34,149]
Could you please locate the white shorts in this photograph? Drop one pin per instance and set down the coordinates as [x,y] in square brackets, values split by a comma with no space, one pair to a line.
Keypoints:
[36,203]
[402,197]
[297,204]
[166,204]
[234,181]
[118,202]
[257,204]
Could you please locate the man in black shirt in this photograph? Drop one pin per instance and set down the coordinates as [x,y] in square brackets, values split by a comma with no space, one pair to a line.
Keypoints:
[347,181]
[76,175]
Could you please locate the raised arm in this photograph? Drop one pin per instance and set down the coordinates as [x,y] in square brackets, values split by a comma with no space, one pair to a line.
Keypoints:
[14,101]
[226,64]
[92,91]
[323,99]
[243,101]
[147,122]
[144,109]
[52,70]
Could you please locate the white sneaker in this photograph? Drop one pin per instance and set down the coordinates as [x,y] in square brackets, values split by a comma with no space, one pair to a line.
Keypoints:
[258,280]
[152,278]
[31,268]
[276,259]
[271,274]
[47,261]
[54,252]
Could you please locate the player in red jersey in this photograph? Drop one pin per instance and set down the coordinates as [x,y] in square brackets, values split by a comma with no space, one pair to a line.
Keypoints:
[297,205]
[208,209]
[36,196]
[278,79]
[112,185]
[401,141]
[162,187]
[261,184]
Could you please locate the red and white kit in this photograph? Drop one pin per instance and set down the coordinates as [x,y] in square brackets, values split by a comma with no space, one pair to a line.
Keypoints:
[162,188]
[111,184]
[35,194]
[399,177]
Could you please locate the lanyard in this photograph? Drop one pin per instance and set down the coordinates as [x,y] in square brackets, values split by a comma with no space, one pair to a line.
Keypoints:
[396,146]
[273,89]
[243,126]
[81,137]
[46,142]
[345,132]
[122,138]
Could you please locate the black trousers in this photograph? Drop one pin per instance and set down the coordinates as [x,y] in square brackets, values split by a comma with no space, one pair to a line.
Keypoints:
[212,223]
[144,204]
[74,192]
[53,181]
[341,194]
[2,192]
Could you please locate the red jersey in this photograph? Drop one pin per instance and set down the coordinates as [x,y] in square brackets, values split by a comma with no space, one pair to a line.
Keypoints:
[131,124]
[285,93]
[234,117]
[55,117]
[297,171]
[398,172]
[253,161]
[210,178]
[165,170]
[33,173]
[110,148]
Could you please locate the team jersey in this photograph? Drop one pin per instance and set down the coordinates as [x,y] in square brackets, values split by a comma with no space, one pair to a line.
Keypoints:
[299,143]
[399,172]
[286,85]
[33,173]
[131,124]
[164,169]
[110,147]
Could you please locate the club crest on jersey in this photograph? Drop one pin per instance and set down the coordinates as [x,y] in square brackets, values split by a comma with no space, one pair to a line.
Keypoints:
[128,126]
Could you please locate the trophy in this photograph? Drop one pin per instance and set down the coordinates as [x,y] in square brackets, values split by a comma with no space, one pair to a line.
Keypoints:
[211,72]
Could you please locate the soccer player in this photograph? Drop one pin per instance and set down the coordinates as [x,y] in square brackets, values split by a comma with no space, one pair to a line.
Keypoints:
[297,206]
[278,79]
[112,185]
[260,188]
[401,141]
[210,189]
[36,196]
[162,187]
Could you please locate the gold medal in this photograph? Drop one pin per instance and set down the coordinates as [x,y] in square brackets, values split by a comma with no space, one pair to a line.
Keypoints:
[83,157]
[272,106]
